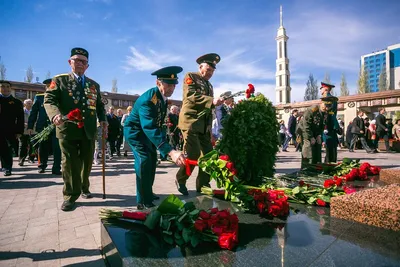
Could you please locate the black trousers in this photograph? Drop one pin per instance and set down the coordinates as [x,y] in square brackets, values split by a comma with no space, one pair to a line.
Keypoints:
[6,151]
[331,145]
[363,142]
[120,140]
[112,143]
[385,136]
[24,147]
[44,151]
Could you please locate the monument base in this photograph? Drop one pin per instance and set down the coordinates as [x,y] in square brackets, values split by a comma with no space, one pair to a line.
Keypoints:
[378,207]
[390,176]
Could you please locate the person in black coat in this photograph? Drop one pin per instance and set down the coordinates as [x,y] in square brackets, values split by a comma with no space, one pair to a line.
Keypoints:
[114,130]
[292,125]
[349,135]
[382,129]
[358,131]
[11,125]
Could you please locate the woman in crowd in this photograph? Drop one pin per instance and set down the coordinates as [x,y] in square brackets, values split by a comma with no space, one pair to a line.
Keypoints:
[124,117]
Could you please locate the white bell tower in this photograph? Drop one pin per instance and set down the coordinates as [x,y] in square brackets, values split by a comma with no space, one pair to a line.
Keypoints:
[282,87]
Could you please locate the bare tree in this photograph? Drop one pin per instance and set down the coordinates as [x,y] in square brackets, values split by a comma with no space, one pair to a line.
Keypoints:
[48,75]
[382,83]
[29,74]
[344,90]
[327,78]
[311,92]
[114,87]
[3,71]
[363,82]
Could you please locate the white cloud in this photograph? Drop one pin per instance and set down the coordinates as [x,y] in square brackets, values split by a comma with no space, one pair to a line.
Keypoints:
[153,61]
[108,16]
[73,14]
[236,64]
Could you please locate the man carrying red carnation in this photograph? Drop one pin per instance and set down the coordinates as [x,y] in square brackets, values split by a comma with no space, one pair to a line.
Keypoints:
[66,93]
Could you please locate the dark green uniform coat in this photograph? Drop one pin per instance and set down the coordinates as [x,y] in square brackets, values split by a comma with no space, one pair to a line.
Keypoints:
[312,125]
[63,95]
[198,95]
[39,120]
[11,124]
[144,133]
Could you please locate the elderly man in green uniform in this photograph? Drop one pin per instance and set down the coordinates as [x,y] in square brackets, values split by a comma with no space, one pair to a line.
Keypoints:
[66,93]
[312,127]
[332,128]
[11,125]
[144,133]
[198,96]
[39,120]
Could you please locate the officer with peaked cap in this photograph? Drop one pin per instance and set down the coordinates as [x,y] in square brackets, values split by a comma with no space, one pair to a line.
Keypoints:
[38,118]
[312,128]
[198,96]
[332,128]
[68,92]
[144,132]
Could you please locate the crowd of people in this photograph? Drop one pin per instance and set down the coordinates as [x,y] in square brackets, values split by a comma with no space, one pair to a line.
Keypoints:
[148,128]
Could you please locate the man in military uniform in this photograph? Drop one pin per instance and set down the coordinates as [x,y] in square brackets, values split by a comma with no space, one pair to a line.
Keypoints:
[312,127]
[144,132]
[66,93]
[331,129]
[198,96]
[11,125]
[38,118]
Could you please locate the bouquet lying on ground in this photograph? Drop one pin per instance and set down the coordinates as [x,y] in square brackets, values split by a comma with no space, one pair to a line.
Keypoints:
[182,224]
[74,116]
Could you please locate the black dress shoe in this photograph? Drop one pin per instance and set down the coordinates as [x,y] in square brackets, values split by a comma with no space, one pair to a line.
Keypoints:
[145,206]
[87,195]
[7,173]
[351,150]
[67,205]
[21,163]
[155,197]
[41,171]
[56,172]
[182,188]
[126,154]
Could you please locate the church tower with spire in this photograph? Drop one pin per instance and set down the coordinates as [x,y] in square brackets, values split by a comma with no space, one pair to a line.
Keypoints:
[282,87]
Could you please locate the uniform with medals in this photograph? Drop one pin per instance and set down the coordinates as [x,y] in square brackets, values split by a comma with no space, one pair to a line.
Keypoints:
[145,134]
[198,95]
[66,93]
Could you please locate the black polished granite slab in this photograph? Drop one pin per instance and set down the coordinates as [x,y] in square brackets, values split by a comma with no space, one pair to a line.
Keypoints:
[309,237]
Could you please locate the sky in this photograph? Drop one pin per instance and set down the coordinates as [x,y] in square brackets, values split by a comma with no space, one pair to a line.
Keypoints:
[129,39]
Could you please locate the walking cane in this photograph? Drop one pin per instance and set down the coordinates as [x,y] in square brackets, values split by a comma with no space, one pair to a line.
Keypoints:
[103,154]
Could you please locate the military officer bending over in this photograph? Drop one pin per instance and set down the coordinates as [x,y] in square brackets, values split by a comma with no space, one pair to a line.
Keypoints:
[144,133]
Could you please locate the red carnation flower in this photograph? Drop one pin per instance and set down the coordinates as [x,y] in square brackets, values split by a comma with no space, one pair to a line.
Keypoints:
[230,166]
[224,157]
[204,215]
[80,124]
[338,181]
[328,183]
[227,241]
[200,225]
[374,170]
[301,183]
[213,210]
[321,203]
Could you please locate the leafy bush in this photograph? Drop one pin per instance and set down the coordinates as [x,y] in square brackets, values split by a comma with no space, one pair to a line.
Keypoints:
[250,138]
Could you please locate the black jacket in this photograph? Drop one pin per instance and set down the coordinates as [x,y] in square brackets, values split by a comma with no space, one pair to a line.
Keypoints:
[380,123]
[11,116]
[292,125]
[357,126]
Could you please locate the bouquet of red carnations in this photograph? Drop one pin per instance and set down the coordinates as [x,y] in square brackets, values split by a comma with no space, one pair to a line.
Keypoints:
[74,116]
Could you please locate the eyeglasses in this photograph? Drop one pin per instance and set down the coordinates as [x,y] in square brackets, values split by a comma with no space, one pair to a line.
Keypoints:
[82,61]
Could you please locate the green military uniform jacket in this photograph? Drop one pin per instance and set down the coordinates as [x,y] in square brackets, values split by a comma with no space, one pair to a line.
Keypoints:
[38,117]
[313,123]
[198,95]
[144,125]
[65,94]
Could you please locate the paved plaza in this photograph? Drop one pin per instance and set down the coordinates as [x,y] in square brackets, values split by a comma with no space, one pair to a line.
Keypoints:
[35,232]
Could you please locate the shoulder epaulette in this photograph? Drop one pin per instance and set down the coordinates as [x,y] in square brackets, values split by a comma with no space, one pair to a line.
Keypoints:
[154,99]
[62,74]
[39,94]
